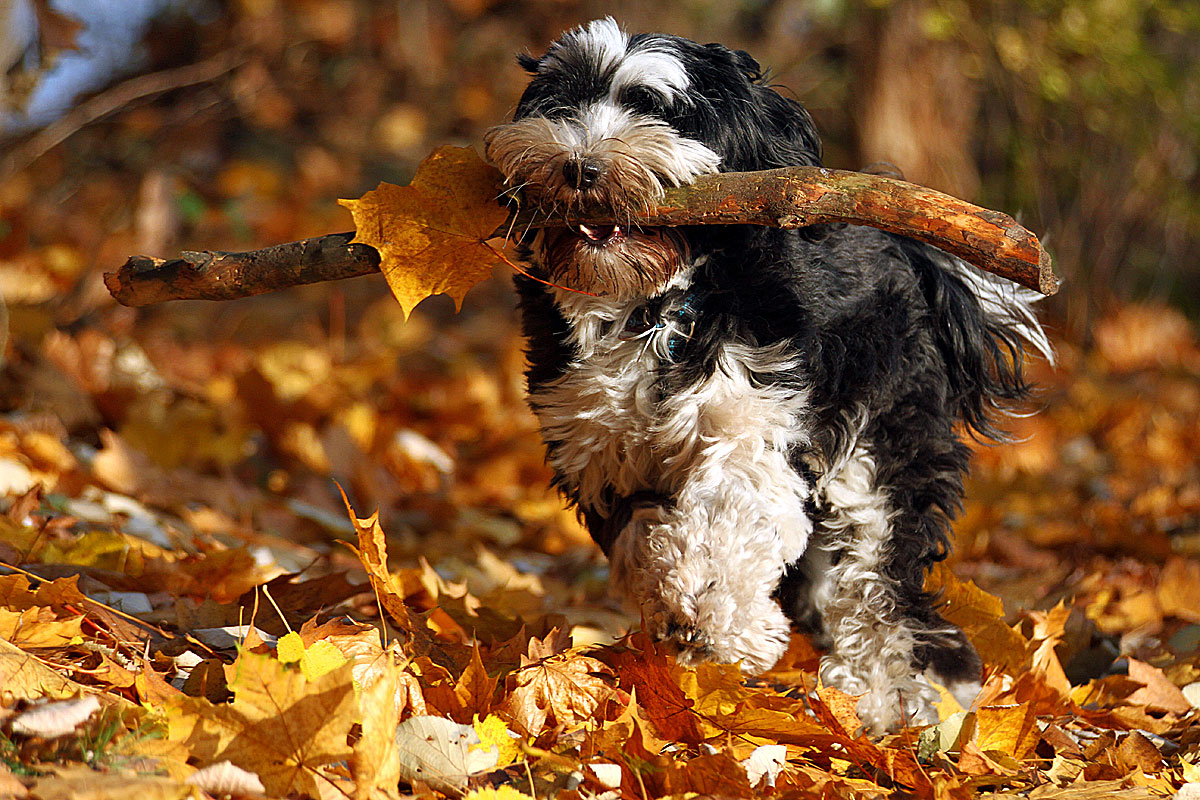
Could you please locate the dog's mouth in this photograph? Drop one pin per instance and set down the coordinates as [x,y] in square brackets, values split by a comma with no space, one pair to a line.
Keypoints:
[599,235]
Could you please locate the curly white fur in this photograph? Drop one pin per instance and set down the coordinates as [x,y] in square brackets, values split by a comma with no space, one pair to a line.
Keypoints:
[870,645]
[703,569]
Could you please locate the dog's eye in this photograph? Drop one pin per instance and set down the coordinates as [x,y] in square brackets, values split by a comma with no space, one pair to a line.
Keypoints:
[642,100]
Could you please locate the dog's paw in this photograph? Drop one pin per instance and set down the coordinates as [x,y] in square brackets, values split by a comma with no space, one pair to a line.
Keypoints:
[890,699]
[710,628]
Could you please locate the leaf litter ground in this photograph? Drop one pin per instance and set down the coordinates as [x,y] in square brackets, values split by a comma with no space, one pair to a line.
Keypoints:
[228,609]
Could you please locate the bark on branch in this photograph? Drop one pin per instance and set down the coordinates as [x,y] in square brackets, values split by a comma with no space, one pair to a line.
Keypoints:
[789,198]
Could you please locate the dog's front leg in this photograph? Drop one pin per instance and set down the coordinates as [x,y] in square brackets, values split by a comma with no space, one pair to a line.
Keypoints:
[702,571]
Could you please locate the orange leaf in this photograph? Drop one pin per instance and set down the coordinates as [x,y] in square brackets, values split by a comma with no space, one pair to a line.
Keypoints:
[431,235]
[654,679]
[474,690]
[1158,693]
[712,775]
[372,552]
[842,708]
[1047,633]
[981,616]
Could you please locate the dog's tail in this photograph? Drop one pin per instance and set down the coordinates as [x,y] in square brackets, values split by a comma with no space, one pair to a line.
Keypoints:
[985,326]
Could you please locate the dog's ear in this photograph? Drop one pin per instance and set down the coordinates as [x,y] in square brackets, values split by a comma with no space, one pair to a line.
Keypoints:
[793,139]
[528,63]
[748,65]
[741,60]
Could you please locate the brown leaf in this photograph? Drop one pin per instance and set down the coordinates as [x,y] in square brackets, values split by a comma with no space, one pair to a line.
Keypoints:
[1136,752]
[716,774]
[654,679]
[372,552]
[562,690]
[1178,589]
[431,234]
[474,691]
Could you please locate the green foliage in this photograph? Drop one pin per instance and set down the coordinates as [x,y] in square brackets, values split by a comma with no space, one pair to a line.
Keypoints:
[1095,104]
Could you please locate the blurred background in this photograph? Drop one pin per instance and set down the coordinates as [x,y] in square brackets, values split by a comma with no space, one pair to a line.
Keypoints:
[1080,117]
[154,126]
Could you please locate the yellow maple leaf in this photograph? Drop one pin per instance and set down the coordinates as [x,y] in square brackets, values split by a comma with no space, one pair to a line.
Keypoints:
[1010,729]
[281,726]
[494,733]
[37,627]
[375,765]
[496,793]
[432,234]
[23,677]
[315,660]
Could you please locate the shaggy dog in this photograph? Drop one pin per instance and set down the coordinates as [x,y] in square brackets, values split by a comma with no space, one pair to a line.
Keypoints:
[759,427]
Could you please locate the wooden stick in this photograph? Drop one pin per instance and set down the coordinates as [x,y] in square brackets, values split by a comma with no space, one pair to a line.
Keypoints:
[789,198]
[219,275]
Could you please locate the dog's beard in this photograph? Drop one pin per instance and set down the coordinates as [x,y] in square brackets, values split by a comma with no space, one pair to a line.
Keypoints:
[637,158]
[611,260]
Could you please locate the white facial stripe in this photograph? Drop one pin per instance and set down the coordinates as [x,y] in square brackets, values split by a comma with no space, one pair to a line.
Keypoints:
[605,121]
[651,64]
[601,40]
[654,67]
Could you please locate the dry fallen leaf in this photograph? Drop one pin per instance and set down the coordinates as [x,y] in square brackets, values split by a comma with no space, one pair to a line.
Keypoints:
[281,726]
[1158,693]
[1011,730]
[56,718]
[981,616]
[80,782]
[23,677]
[562,690]
[431,234]
[440,753]
[375,763]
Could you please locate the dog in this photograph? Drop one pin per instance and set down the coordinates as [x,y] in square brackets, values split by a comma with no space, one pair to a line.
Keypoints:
[760,427]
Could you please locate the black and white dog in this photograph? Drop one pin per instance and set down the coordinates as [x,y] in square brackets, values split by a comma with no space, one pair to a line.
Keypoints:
[758,426]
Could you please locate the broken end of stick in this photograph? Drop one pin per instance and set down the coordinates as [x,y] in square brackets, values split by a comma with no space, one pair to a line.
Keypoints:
[1048,282]
[122,284]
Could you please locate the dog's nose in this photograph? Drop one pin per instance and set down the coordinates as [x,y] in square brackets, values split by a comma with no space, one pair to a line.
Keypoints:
[582,173]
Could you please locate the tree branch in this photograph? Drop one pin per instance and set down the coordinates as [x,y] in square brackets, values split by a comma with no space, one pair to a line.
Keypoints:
[113,99]
[789,198]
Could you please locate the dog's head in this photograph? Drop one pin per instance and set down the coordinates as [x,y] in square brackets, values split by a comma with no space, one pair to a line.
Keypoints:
[609,121]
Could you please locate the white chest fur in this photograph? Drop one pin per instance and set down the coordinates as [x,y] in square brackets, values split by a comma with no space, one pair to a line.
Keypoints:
[718,449]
